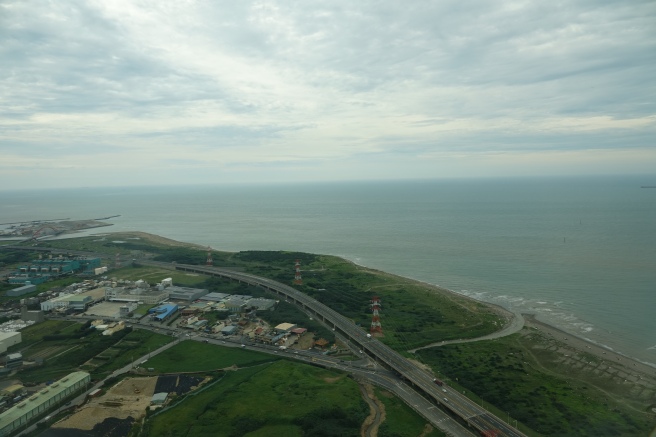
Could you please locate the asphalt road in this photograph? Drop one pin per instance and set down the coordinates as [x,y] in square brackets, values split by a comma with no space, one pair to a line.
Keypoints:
[416,378]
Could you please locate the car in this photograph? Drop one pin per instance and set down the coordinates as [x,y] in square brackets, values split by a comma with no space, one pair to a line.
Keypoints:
[446,400]
[444,390]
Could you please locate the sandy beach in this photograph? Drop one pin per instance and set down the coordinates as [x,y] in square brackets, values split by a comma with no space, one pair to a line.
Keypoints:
[635,369]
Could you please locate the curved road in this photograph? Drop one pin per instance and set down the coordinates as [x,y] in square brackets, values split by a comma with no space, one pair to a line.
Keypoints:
[516,324]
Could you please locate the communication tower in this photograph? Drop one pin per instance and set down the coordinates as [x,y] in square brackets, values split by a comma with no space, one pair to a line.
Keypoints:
[117,260]
[376,328]
[298,280]
[210,262]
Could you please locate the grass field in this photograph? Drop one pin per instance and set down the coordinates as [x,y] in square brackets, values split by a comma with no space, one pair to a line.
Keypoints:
[154,275]
[274,399]
[193,356]
[401,420]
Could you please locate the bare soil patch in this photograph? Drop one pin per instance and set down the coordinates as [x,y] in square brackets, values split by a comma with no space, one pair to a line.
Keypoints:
[128,398]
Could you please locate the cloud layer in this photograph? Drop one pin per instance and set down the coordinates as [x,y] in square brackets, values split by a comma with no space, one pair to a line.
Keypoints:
[154,92]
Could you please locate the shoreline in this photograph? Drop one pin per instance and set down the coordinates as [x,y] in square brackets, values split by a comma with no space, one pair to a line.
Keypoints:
[628,364]
[525,319]
[530,320]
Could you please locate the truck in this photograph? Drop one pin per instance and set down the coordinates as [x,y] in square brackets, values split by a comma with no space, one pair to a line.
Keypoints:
[438,382]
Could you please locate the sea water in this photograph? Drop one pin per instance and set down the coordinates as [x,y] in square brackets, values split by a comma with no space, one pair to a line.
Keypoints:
[578,252]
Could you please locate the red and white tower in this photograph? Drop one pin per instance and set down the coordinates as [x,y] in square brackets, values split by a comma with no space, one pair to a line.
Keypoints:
[298,280]
[210,261]
[376,328]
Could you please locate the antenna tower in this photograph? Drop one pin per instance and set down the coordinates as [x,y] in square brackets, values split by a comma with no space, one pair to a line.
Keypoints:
[376,328]
[298,280]
[117,260]
[210,262]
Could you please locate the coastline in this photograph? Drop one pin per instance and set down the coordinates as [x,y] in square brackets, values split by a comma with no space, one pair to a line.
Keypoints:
[514,321]
[630,365]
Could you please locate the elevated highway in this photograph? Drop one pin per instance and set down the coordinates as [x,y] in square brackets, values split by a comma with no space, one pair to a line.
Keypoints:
[418,379]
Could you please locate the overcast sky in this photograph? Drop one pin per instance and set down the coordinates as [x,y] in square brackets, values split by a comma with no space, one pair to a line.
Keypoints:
[104,93]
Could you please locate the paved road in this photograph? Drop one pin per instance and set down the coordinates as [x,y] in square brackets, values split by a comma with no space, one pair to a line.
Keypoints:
[417,378]
[516,324]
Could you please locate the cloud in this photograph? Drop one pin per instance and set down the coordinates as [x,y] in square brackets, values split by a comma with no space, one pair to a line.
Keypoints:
[271,84]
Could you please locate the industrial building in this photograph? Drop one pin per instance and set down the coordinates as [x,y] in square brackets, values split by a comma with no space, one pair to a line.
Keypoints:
[14,361]
[77,302]
[163,312]
[40,270]
[138,294]
[27,288]
[261,304]
[41,402]
[31,316]
[284,327]
[185,293]
[8,339]
[229,330]
[214,297]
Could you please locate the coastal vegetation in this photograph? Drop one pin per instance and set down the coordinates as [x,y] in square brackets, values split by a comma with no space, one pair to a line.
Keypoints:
[506,377]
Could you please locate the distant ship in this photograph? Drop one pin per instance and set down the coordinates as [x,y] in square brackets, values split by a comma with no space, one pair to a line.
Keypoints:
[648,186]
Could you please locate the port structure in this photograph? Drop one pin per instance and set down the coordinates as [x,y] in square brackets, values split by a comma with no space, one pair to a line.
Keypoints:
[376,327]
[210,261]
[298,279]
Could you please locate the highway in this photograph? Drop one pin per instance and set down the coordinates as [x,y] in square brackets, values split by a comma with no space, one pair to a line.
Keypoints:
[420,380]
[416,378]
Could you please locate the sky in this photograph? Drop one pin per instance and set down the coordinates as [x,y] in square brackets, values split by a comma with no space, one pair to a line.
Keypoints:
[121,93]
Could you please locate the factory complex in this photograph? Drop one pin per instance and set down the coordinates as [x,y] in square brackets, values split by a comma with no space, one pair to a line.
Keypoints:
[40,270]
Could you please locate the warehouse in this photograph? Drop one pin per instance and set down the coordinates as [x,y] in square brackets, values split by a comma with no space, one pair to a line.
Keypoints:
[27,288]
[261,304]
[229,330]
[215,297]
[163,312]
[185,293]
[9,339]
[78,302]
[284,327]
[147,296]
[41,402]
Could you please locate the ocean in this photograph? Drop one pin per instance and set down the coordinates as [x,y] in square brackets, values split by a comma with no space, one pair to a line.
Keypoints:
[580,253]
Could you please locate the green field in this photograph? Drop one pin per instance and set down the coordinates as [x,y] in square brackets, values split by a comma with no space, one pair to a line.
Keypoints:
[193,356]
[273,399]
[401,420]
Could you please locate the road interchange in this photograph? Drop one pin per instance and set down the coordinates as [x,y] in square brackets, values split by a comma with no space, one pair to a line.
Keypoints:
[418,379]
